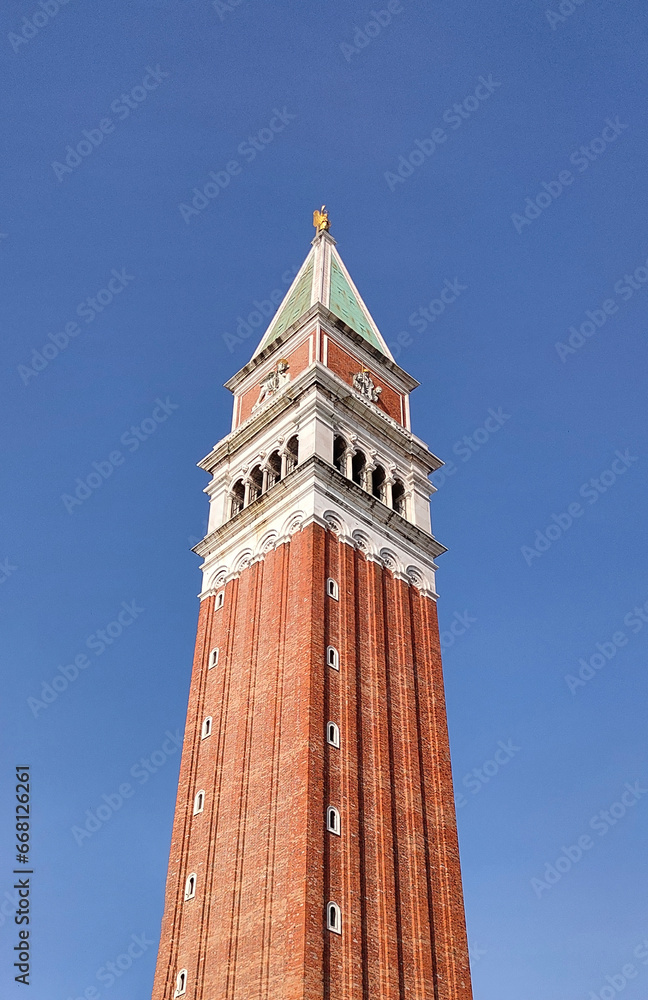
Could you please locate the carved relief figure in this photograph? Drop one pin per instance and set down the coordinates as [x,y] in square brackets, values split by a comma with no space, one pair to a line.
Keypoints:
[273,382]
[363,382]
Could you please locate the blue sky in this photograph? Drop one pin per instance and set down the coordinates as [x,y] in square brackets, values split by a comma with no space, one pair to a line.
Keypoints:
[200,80]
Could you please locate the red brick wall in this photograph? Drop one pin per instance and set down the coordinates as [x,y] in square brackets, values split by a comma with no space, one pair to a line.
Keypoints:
[297,359]
[346,366]
[266,865]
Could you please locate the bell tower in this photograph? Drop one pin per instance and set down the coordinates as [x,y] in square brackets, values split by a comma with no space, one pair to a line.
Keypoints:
[314,852]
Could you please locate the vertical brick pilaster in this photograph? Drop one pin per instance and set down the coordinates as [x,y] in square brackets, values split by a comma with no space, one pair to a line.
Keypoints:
[167,962]
[445,889]
[378,835]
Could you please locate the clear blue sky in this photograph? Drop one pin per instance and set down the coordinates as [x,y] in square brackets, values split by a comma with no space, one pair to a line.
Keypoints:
[214,78]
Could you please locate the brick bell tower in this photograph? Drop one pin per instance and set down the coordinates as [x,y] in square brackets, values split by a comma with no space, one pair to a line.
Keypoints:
[314,852]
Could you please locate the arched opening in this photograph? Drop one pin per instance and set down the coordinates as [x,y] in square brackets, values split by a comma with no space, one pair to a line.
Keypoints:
[237,498]
[181,983]
[399,499]
[190,887]
[274,469]
[292,454]
[333,657]
[256,483]
[334,918]
[359,468]
[333,824]
[378,483]
[199,802]
[206,727]
[333,735]
[339,453]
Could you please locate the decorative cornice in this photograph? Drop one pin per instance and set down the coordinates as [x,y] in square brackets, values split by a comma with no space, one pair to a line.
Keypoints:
[337,390]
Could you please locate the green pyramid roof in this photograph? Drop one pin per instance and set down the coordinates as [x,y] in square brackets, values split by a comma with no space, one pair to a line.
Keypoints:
[343,301]
[324,278]
[296,303]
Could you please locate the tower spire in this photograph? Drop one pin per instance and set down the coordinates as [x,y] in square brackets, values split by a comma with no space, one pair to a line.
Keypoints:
[323,278]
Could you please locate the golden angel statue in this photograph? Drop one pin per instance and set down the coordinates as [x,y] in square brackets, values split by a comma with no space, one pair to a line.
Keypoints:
[321,219]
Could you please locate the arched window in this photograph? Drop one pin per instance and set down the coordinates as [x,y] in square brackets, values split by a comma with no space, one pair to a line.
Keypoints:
[181,983]
[333,820]
[237,498]
[220,600]
[378,483]
[334,918]
[213,657]
[206,727]
[256,483]
[358,468]
[332,588]
[274,468]
[399,500]
[190,886]
[199,802]
[292,454]
[333,657]
[333,735]
[339,454]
